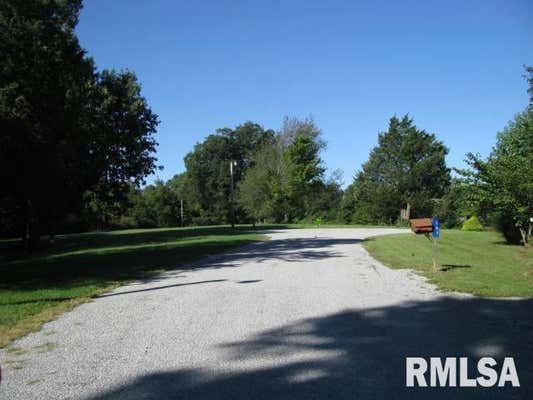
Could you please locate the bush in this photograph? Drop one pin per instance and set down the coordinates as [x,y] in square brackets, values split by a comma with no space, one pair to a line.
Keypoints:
[472,224]
[504,223]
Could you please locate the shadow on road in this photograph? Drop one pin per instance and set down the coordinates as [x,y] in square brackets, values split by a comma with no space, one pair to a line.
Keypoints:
[159,288]
[286,250]
[359,354]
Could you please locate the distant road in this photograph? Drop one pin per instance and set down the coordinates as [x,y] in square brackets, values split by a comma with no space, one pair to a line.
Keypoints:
[306,315]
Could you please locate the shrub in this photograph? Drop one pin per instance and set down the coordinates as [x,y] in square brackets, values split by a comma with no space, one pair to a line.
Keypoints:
[472,224]
[504,223]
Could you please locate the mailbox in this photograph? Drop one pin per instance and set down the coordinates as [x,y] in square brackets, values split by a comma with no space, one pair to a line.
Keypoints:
[421,225]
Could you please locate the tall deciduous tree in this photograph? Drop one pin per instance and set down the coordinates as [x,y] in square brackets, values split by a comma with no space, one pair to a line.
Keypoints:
[208,168]
[305,174]
[43,80]
[505,179]
[120,143]
[287,174]
[503,182]
[255,192]
[65,129]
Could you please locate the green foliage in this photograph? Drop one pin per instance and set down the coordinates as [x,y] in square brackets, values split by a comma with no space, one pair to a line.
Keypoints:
[347,205]
[456,204]
[255,192]
[318,222]
[66,130]
[326,197]
[406,169]
[305,173]
[286,182]
[209,173]
[529,77]
[503,181]
[472,224]
[278,178]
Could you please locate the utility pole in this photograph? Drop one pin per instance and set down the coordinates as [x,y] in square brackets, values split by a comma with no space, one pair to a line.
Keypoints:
[232,164]
[181,211]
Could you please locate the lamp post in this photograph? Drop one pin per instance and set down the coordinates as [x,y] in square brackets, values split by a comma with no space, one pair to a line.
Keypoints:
[232,164]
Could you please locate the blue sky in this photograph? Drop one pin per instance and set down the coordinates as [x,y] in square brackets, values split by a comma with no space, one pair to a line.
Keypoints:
[455,66]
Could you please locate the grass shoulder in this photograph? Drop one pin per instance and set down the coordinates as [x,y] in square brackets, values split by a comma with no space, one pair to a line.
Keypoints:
[36,289]
[480,263]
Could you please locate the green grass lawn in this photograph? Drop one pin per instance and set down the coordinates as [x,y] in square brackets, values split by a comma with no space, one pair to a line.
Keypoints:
[35,289]
[473,262]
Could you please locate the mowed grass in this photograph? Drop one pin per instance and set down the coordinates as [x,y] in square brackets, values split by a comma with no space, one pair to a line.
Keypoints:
[472,262]
[36,289]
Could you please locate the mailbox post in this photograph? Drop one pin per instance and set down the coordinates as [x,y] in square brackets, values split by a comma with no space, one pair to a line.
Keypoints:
[427,226]
[435,233]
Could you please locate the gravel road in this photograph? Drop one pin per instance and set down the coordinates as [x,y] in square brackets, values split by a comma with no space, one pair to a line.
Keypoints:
[308,314]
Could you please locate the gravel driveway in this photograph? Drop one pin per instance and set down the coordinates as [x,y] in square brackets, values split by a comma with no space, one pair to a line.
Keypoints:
[308,314]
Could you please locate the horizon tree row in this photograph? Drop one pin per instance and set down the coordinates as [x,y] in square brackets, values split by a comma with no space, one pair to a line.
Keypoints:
[278,176]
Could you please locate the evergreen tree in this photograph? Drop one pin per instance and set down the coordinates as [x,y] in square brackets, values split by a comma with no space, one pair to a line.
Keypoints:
[405,171]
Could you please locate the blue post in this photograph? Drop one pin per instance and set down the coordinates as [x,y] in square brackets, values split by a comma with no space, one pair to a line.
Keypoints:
[435,233]
[436,227]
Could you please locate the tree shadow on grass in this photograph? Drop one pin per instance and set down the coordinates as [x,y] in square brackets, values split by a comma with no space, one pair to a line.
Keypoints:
[356,354]
[143,263]
[12,249]
[100,269]
[447,267]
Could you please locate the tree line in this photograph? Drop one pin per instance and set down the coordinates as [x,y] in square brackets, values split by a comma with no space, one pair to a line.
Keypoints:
[278,177]
[77,143]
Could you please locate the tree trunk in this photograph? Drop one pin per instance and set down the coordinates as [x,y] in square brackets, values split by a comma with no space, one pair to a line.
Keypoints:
[34,234]
[52,235]
[408,211]
[27,227]
[31,233]
[525,235]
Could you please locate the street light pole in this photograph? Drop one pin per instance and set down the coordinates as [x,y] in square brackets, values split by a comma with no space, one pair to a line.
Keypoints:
[232,164]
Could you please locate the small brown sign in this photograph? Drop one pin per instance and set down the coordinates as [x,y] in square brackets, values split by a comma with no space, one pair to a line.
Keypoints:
[421,225]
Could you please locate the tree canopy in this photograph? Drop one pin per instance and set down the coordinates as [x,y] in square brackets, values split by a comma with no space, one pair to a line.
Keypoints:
[66,128]
[406,170]
[286,175]
[504,181]
[208,168]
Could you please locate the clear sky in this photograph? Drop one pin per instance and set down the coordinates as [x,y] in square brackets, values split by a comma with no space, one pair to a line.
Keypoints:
[455,66]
